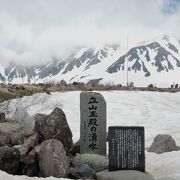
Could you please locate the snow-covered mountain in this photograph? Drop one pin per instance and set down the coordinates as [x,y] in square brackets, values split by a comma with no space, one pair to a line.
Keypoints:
[155,61]
[160,55]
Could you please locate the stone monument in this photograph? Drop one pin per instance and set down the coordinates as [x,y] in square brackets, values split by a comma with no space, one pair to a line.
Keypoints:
[93,123]
[126,148]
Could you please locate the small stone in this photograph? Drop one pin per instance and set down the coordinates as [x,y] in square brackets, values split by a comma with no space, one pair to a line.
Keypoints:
[31,165]
[37,148]
[163,143]
[81,171]
[63,83]
[95,161]
[123,175]
[30,170]
[75,149]
[23,151]
[29,159]
[52,159]
[2,118]
[9,159]
[32,141]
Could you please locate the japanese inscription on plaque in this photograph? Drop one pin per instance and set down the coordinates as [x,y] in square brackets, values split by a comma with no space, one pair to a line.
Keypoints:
[93,123]
[126,148]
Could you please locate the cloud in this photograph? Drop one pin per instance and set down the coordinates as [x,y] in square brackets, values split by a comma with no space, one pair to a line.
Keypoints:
[37,30]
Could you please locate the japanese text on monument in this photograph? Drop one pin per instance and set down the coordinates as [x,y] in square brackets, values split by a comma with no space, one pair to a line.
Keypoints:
[92,123]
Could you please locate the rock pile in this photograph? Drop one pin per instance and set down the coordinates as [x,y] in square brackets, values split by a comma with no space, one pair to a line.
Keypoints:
[47,149]
[36,146]
[44,148]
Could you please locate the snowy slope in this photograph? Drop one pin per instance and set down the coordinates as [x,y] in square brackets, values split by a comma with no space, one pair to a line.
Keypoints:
[2,74]
[5,176]
[157,62]
[158,112]
[88,64]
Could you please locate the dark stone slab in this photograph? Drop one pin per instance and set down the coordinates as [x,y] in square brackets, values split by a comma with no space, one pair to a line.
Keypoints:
[126,148]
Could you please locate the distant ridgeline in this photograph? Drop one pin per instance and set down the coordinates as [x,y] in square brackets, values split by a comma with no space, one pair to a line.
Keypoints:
[156,61]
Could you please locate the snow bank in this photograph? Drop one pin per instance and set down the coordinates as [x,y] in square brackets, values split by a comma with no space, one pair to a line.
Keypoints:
[164,166]
[158,112]
[5,176]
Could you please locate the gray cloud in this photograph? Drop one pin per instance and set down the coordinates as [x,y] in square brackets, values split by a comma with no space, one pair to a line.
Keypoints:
[34,31]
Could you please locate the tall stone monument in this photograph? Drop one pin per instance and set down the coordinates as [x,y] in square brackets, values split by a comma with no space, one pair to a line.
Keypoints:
[93,123]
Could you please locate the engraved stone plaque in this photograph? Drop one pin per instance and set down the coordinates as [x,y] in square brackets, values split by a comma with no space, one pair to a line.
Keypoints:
[126,148]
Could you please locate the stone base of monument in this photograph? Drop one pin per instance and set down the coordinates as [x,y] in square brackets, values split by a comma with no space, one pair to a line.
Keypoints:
[123,175]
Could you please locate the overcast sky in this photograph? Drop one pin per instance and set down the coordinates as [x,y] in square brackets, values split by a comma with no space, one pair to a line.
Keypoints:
[36,30]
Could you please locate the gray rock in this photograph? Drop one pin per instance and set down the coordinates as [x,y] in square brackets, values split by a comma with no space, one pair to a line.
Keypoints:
[54,126]
[31,164]
[163,143]
[9,159]
[11,134]
[123,175]
[81,171]
[93,123]
[97,162]
[52,159]
[75,148]
[37,148]
[30,170]
[23,151]
[63,83]
[26,121]
[2,118]
[32,141]
[30,157]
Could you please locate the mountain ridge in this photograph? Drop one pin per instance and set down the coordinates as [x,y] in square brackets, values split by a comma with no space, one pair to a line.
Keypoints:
[109,63]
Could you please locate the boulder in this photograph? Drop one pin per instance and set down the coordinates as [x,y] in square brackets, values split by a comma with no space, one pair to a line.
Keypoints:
[26,121]
[9,159]
[11,134]
[123,175]
[163,143]
[81,171]
[2,118]
[97,162]
[54,126]
[52,159]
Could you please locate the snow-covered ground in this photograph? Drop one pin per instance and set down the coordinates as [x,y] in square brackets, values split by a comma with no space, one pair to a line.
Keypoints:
[5,176]
[158,112]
